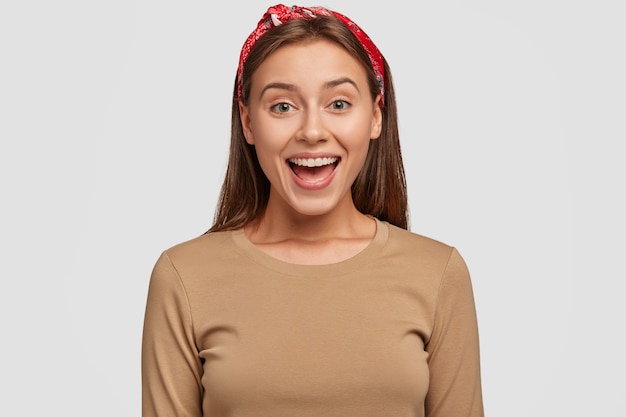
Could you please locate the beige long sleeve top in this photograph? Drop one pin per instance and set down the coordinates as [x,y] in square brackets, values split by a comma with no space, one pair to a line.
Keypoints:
[230,331]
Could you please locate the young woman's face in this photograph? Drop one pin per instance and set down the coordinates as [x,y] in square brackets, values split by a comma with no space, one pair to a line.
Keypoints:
[311,117]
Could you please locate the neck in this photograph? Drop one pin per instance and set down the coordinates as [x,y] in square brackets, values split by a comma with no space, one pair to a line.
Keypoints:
[280,223]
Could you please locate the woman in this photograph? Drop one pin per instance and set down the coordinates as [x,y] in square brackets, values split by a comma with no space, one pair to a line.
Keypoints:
[308,296]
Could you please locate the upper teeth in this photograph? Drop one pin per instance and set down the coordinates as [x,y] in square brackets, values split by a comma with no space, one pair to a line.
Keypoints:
[313,162]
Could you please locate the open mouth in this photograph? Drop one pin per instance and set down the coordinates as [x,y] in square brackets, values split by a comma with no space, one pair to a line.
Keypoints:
[313,170]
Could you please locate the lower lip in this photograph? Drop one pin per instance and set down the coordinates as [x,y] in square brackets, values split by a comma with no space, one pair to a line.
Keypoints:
[313,186]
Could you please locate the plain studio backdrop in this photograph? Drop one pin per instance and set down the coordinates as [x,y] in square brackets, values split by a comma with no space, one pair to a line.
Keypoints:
[114,121]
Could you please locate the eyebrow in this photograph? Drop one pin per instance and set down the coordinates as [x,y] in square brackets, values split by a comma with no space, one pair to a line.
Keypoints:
[339,81]
[327,85]
[280,86]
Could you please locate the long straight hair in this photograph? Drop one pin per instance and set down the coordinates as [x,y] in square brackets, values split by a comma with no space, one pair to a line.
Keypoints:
[379,189]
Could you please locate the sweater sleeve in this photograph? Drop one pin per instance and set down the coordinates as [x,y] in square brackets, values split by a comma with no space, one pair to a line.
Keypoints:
[170,366]
[454,359]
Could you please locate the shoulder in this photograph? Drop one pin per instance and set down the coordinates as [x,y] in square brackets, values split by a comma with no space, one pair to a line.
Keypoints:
[416,252]
[415,243]
[200,245]
[208,253]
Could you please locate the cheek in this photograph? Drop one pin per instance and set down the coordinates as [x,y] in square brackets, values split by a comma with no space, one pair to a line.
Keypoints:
[357,124]
[354,137]
[267,156]
[268,152]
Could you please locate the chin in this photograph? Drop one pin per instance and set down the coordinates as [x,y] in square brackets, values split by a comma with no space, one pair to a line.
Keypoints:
[314,206]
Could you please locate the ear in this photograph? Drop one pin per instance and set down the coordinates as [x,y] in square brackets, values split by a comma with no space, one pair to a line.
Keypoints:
[377,119]
[244,115]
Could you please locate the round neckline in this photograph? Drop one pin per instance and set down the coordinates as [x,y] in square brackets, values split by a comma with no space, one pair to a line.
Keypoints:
[358,261]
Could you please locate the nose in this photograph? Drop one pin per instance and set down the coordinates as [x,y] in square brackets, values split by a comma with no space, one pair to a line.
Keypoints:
[312,129]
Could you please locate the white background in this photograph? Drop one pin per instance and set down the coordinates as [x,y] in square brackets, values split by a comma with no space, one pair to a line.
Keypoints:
[114,127]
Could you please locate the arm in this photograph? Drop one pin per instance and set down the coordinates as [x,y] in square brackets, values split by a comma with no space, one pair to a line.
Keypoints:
[454,359]
[171,368]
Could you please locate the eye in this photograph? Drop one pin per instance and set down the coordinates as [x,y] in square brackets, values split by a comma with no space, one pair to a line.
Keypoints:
[339,105]
[281,107]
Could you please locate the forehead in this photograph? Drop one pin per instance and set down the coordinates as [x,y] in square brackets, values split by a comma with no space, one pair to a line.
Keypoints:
[309,62]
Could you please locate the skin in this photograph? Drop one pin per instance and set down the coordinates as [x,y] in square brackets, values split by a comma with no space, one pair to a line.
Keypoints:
[307,100]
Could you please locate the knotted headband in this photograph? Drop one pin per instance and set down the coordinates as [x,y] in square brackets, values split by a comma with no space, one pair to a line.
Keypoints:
[279,14]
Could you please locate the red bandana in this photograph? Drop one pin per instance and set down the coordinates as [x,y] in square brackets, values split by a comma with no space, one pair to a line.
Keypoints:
[279,14]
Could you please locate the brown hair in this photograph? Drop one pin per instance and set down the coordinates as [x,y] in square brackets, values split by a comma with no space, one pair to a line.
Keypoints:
[379,189]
